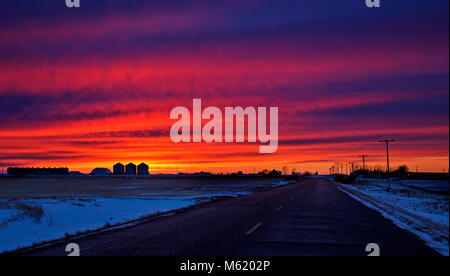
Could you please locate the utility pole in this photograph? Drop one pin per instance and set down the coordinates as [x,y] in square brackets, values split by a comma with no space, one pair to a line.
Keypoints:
[387,160]
[364,161]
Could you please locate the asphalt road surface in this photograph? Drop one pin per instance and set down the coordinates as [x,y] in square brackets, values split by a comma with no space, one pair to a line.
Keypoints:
[311,217]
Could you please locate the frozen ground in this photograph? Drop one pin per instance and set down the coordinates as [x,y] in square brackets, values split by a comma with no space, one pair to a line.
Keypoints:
[36,210]
[426,214]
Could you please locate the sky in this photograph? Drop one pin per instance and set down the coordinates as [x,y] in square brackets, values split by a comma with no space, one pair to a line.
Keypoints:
[91,86]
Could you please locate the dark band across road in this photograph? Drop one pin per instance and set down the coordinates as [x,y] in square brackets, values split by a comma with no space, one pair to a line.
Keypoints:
[311,217]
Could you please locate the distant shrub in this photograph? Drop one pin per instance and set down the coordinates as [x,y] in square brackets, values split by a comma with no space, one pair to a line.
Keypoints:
[307,173]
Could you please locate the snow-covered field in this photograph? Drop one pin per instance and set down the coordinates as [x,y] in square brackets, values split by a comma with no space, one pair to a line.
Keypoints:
[36,210]
[17,228]
[426,214]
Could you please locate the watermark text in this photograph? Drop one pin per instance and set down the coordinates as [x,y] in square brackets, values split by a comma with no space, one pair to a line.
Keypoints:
[258,129]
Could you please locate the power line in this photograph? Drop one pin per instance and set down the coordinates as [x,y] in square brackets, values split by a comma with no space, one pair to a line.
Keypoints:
[387,160]
[364,160]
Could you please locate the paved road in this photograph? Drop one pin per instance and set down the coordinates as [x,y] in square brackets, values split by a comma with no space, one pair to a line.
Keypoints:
[308,218]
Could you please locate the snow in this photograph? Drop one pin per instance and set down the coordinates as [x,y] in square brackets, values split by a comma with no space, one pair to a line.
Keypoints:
[282,183]
[72,205]
[69,216]
[427,185]
[423,213]
[433,185]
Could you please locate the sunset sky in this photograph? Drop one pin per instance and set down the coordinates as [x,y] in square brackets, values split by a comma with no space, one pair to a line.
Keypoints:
[91,86]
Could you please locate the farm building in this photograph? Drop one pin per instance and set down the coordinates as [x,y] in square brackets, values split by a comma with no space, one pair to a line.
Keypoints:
[119,169]
[38,171]
[100,171]
[143,169]
[130,169]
